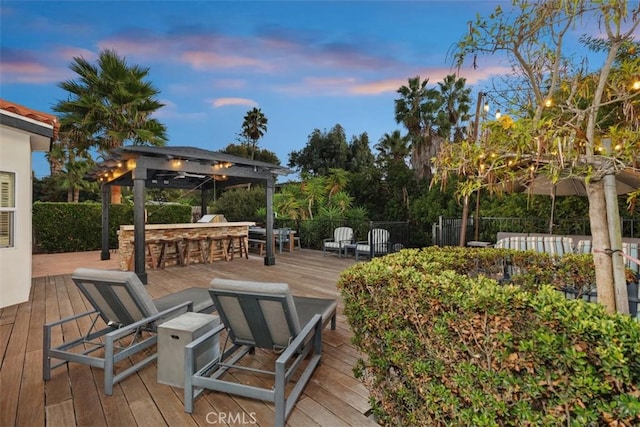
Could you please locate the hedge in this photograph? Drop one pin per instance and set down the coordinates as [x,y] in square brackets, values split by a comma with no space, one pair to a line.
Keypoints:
[447,348]
[73,227]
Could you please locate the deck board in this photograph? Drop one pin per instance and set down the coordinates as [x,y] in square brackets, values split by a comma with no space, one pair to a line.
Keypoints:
[74,395]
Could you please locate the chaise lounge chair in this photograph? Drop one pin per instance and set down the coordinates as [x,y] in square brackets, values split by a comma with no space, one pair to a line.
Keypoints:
[121,301]
[266,316]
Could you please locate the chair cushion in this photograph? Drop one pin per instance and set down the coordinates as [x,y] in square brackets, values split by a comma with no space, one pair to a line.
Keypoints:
[308,307]
[333,245]
[202,302]
[274,315]
[119,296]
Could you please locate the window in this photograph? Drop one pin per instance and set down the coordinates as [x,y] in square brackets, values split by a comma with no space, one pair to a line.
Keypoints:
[7,208]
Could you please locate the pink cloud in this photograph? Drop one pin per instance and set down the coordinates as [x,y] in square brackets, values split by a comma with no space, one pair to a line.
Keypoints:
[21,66]
[223,102]
[204,60]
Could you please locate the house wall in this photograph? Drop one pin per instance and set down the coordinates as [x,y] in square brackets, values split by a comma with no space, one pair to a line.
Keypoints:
[15,262]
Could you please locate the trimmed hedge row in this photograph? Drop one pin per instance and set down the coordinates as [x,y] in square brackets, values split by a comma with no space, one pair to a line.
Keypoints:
[72,227]
[448,348]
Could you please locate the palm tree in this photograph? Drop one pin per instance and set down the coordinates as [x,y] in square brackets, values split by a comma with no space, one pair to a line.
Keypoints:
[456,103]
[336,180]
[314,191]
[56,157]
[393,146]
[72,178]
[342,200]
[288,205]
[112,104]
[254,127]
[417,109]
[392,152]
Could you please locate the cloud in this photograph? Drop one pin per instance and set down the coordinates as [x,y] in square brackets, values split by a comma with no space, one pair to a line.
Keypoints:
[329,86]
[170,111]
[223,102]
[230,84]
[23,66]
[275,50]
[211,60]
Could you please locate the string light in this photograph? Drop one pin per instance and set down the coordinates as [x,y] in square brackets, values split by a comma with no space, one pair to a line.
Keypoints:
[498,114]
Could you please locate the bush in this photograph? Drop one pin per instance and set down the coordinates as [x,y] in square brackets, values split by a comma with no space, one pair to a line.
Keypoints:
[73,227]
[446,348]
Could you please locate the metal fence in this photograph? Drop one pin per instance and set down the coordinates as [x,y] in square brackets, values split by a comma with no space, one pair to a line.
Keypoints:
[313,232]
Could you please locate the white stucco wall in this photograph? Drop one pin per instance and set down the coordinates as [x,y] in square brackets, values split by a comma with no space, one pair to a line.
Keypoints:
[15,262]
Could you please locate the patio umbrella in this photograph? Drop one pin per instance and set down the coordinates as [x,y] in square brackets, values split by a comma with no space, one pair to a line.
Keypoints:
[627,181]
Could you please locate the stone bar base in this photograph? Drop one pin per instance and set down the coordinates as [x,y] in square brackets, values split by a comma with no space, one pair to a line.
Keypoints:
[170,231]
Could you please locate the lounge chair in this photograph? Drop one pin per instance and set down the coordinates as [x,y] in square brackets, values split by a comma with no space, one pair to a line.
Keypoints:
[553,245]
[377,243]
[266,316]
[120,299]
[341,237]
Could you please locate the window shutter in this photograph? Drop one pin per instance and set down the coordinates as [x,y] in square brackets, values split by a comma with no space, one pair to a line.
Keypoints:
[7,205]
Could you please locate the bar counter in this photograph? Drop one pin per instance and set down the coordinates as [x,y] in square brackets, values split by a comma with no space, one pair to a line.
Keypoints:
[170,231]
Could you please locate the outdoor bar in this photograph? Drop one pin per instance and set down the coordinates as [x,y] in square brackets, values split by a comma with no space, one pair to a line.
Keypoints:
[156,232]
[186,168]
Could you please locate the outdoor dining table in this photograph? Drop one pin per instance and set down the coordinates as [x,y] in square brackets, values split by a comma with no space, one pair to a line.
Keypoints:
[261,231]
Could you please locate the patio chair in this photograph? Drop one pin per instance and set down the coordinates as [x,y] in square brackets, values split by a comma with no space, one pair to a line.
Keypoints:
[341,237]
[121,301]
[266,316]
[377,243]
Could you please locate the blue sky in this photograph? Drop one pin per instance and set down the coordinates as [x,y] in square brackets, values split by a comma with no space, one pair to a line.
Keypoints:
[307,64]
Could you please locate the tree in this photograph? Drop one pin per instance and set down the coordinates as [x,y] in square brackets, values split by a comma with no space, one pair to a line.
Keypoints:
[417,110]
[324,150]
[112,104]
[359,153]
[455,102]
[393,147]
[72,178]
[560,105]
[56,157]
[242,150]
[314,189]
[336,181]
[254,127]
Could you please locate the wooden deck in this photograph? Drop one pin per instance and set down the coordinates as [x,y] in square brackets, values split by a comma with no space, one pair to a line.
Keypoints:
[74,394]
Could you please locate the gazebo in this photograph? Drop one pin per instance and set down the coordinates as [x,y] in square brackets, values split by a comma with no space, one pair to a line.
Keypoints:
[143,167]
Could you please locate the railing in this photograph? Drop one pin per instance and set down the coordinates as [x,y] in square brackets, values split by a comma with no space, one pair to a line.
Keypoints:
[312,232]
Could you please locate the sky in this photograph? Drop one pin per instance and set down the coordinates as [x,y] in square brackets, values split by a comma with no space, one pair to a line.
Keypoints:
[306,64]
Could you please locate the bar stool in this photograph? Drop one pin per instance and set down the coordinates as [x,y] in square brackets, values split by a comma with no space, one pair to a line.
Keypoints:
[218,248]
[194,246]
[170,251]
[241,248]
[149,254]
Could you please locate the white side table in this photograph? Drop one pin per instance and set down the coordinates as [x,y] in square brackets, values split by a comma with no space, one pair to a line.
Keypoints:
[174,335]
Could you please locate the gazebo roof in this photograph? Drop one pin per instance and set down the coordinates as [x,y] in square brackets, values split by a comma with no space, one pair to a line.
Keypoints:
[181,167]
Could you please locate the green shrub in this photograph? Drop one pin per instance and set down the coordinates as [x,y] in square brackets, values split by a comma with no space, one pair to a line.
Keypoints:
[73,227]
[444,347]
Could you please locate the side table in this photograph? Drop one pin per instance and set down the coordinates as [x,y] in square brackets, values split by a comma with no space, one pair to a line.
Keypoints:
[174,335]
[350,247]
